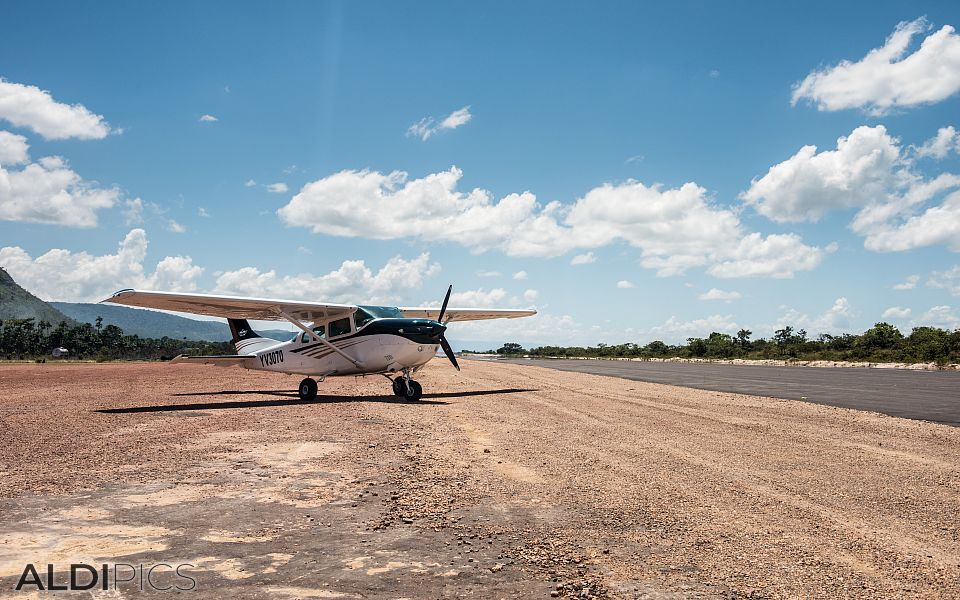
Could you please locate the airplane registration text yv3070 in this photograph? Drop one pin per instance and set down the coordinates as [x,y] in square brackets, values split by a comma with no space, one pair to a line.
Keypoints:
[333,339]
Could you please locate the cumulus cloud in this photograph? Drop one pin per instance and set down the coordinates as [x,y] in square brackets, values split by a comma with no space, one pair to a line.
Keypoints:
[940,316]
[675,229]
[48,191]
[718,294]
[835,319]
[674,330]
[583,259]
[249,183]
[82,277]
[889,77]
[13,149]
[623,284]
[174,227]
[869,170]
[808,184]
[941,145]
[946,280]
[427,127]
[908,284]
[531,295]
[352,282]
[489,274]
[896,313]
[520,275]
[208,119]
[29,106]
[277,188]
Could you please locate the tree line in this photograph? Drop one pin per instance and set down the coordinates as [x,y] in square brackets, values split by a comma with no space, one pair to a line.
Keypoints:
[22,339]
[881,343]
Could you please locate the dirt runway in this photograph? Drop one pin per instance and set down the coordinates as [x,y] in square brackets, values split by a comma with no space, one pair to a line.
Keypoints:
[506,481]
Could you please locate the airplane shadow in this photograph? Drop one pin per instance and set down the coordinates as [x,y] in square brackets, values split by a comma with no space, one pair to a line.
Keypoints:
[292,399]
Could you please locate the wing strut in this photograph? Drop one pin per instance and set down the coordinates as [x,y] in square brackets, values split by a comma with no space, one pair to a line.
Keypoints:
[314,335]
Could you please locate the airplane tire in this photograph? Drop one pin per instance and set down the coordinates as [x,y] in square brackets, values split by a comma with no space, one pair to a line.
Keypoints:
[414,392]
[308,389]
[399,387]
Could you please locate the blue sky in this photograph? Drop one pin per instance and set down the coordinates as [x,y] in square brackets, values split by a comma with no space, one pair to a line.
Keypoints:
[608,110]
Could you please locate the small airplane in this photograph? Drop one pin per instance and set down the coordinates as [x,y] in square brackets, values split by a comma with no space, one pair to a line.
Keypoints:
[336,339]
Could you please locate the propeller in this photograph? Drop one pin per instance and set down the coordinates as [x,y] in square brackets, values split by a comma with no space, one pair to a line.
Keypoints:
[440,337]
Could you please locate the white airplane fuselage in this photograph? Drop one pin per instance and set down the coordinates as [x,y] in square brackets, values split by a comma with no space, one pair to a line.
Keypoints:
[376,353]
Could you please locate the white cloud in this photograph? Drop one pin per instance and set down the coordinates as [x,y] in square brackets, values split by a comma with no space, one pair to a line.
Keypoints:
[675,229]
[888,77]
[778,256]
[133,213]
[623,284]
[13,149]
[29,106]
[909,284]
[807,185]
[277,188]
[946,280]
[717,294]
[674,330]
[208,119]
[82,277]
[479,298]
[249,183]
[583,259]
[202,212]
[869,170]
[175,227]
[352,282]
[520,275]
[48,191]
[531,295]
[896,313]
[427,127]
[836,319]
[939,316]
[489,274]
[936,225]
[542,328]
[941,145]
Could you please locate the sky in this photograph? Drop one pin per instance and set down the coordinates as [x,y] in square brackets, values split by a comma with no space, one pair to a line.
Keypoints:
[632,171]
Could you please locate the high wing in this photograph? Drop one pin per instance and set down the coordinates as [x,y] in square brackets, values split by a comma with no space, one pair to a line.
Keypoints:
[466,314]
[231,307]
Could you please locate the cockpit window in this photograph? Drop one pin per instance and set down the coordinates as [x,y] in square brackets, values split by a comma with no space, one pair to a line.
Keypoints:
[339,327]
[382,312]
[362,317]
[308,338]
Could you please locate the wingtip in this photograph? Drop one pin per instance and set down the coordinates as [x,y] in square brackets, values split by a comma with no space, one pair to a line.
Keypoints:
[117,294]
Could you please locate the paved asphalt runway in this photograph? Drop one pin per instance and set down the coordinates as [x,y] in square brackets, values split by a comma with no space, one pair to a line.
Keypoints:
[924,395]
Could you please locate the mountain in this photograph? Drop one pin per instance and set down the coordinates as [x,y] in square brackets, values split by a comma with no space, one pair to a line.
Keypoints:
[154,324]
[18,303]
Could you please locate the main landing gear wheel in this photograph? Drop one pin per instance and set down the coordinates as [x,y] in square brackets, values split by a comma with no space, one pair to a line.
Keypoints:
[410,391]
[308,389]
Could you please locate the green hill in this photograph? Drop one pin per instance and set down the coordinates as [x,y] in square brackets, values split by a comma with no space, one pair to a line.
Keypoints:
[154,324]
[18,303]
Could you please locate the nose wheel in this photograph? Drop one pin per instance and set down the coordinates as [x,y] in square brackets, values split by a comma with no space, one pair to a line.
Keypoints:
[308,389]
[408,389]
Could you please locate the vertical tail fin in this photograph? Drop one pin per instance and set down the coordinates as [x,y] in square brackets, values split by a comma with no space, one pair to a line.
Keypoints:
[241,330]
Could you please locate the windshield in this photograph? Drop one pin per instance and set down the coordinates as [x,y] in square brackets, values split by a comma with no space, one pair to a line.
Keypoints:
[377,312]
